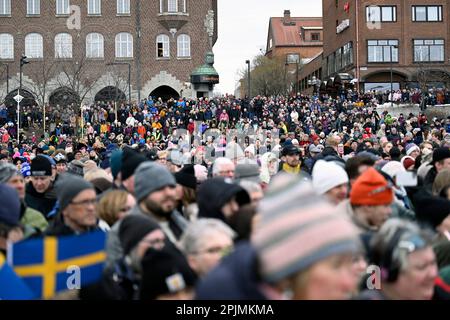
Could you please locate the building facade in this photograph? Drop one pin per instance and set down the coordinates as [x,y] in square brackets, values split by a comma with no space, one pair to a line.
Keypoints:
[89,50]
[365,41]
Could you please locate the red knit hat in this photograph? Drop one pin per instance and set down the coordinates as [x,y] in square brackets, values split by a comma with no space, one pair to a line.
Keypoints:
[371,189]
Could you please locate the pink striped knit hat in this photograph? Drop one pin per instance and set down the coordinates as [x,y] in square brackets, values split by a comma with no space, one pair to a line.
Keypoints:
[299,228]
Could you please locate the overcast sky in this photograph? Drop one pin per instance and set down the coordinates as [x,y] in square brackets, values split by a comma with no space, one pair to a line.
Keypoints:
[243,26]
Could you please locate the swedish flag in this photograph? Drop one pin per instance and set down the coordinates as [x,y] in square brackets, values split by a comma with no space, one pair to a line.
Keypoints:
[11,286]
[49,265]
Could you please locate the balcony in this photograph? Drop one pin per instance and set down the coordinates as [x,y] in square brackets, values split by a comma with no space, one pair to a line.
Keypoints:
[173,20]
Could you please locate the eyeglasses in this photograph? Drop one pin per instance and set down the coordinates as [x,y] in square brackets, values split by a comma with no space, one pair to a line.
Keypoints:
[86,202]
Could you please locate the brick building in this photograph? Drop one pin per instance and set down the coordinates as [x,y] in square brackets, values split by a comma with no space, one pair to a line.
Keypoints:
[295,39]
[366,39]
[82,49]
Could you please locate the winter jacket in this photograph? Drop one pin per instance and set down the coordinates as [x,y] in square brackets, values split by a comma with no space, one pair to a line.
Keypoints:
[33,219]
[42,202]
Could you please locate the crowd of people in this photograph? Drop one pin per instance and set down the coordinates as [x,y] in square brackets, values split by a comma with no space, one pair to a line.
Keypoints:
[269,198]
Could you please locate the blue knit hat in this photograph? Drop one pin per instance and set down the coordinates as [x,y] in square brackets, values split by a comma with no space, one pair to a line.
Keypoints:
[10,208]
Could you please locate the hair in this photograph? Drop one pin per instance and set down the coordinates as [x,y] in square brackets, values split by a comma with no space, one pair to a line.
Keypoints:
[352,165]
[195,233]
[218,164]
[250,186]
[91,175]
[109,206]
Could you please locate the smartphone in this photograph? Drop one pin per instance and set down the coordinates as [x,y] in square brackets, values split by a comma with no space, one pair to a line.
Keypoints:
[406,179]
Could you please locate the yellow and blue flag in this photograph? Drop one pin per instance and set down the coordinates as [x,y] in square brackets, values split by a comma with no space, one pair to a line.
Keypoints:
[53,264]
[11,286]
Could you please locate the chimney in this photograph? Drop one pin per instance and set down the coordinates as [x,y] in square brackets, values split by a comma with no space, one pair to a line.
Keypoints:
[287,17]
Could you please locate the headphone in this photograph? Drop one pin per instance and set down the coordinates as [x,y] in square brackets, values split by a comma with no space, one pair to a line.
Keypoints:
[389,260]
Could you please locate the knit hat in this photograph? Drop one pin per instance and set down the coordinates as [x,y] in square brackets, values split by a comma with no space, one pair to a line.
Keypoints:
[75,167]
[10,208]
[69,186]
[60,156]
[131,159]
[440,154]
[7,171]
[186,177]
[407,162]
[133,229]
[293,214]
[392,168]
[371,189]
[327,175]
[249,172]
[25,170]
[116,162]
[442,285]
[149,177]
[410,147]
[165,271]
[290,149]
[430,209]
[41,167]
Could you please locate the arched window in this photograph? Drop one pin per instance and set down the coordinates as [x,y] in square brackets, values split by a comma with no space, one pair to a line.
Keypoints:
[162,46]
[183,46]
[63,45]
[124,45]
[34,45]
[6,46]
[94,45]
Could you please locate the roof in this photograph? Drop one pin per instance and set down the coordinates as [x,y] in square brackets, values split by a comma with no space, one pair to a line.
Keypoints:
[289,35]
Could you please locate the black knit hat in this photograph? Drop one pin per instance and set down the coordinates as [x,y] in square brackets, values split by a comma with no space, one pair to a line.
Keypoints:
[440,154]
[186,177]
[430,209]
[165,271]
[41,167]
[131,159]
[69,186]
[133,229]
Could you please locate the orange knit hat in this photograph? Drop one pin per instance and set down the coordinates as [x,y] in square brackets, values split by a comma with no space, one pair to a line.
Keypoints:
[371,189]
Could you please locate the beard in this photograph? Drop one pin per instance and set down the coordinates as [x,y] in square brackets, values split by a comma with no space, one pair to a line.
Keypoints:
[158,210]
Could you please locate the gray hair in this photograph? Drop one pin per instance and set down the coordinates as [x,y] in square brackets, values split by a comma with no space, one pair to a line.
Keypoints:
[218,164]
[250,186]
[382,241]
[7,171]
[195,233]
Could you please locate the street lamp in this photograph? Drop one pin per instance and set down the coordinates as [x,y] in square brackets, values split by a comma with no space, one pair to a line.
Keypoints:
[248,78]
[129,76]
[23,61]
[392,85]
[7,76]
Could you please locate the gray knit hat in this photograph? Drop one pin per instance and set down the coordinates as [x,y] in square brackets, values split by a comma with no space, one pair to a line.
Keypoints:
[69,186]
[149,177]
[7,171]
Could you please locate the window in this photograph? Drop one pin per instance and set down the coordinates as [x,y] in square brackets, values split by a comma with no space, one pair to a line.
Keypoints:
[123,7]
[62,7]
[293,58]
[94,45]
[315,36]
[162,46]
[429,50]
[6,46]
[5,7]
[124,45]
[338,59]
[184,6]
[95,7]
[33,7]
[331,66]
[347,54]
[380,51]
[426,13]
[161,6]
[183,46]
[172,5]
[381,13]
[63,45]
[34,46]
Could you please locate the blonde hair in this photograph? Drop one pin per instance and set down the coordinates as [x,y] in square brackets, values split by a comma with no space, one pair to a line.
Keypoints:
[108,208]
[91,175]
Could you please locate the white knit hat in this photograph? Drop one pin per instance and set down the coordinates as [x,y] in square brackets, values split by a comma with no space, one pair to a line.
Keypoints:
[392,168]
[327,175]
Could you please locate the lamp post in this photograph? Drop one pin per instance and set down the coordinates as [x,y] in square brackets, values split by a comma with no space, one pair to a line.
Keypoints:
[248,78]
[296,78]
[7,76]
[23,61]
[392,84]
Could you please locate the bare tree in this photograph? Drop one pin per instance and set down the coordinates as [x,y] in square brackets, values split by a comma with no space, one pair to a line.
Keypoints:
[41,74]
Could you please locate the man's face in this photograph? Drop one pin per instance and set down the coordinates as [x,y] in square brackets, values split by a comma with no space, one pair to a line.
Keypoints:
[41,184]
[415,154]
[337,194]
[212,248]
[61,167]
[80,214]
[227,170]
[417,281]
[293,160]
[18,183]
[442,165]
[377,215]
[161,202]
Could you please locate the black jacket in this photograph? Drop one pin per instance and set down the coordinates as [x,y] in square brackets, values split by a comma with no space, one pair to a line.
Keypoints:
[42,202]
